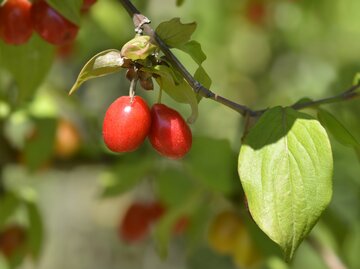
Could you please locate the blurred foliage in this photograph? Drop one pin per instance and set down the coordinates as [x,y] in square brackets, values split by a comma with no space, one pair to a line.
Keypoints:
[259,53]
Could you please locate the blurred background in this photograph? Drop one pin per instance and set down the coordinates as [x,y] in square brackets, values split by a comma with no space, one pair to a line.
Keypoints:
[68,202]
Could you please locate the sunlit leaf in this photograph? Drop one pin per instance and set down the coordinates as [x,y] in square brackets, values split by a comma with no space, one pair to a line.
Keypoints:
[28,64]
[70,9]
[102,64]
[285,167]
[174,33]
[337,129]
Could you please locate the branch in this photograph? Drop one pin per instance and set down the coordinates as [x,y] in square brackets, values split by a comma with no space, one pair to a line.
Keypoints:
[327,254]
[141,23]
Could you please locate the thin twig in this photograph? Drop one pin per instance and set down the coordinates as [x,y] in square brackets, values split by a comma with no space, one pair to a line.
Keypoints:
[327,254]
[140,21]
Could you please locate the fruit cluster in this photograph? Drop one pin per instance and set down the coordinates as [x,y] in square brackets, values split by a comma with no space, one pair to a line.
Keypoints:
[19,18]
[128,121]
[138,218]
[228,235]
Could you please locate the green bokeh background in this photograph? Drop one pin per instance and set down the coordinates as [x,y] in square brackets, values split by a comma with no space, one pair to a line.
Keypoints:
[300,48]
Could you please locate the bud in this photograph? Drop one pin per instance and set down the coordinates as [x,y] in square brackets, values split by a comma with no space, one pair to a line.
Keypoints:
[138,48]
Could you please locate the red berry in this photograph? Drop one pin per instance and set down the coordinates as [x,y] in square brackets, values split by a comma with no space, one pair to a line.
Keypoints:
[51,25]
[136,223]
[11,239]
[169,133]
[87,4]
[126,124]
[15,21]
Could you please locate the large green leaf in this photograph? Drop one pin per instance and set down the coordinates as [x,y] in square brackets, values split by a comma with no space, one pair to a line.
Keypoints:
[285,167]
[28,64]
[70,9]
[174,33]
[337,129]
[102,64]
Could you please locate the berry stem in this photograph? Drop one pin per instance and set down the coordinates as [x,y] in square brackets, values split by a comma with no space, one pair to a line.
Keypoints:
[132,89]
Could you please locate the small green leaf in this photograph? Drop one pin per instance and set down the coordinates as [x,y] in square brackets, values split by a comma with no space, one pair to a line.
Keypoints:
[174,33]
[216,172]
[203,77]
[124,176]
[337,129]
[179,90]
[193,48]
[36,230]
[28,64]
[70,9]
[102,64]
[285,167]
[39,148]
[8,204]
[138,48]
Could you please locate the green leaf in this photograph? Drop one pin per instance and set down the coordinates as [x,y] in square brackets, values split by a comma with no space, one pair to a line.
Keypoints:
[173,187]
[39,148]
[352,246]
[174,33]
[70,9]
[216,171]
[337,129]
[138,48]
[193,48]
[203,77]
[124,176]
[102,64]
[8,204]
[36,230]
[179,90]
[285,167]
[28,64]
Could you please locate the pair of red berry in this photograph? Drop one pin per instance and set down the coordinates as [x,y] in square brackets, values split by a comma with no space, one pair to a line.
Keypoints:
[128,121]
[18,19]
[138,218]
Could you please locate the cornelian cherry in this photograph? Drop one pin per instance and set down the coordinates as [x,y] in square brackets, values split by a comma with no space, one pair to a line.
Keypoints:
[135,224]
[169,133]
[15,22]
[51,25]
[126,124]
